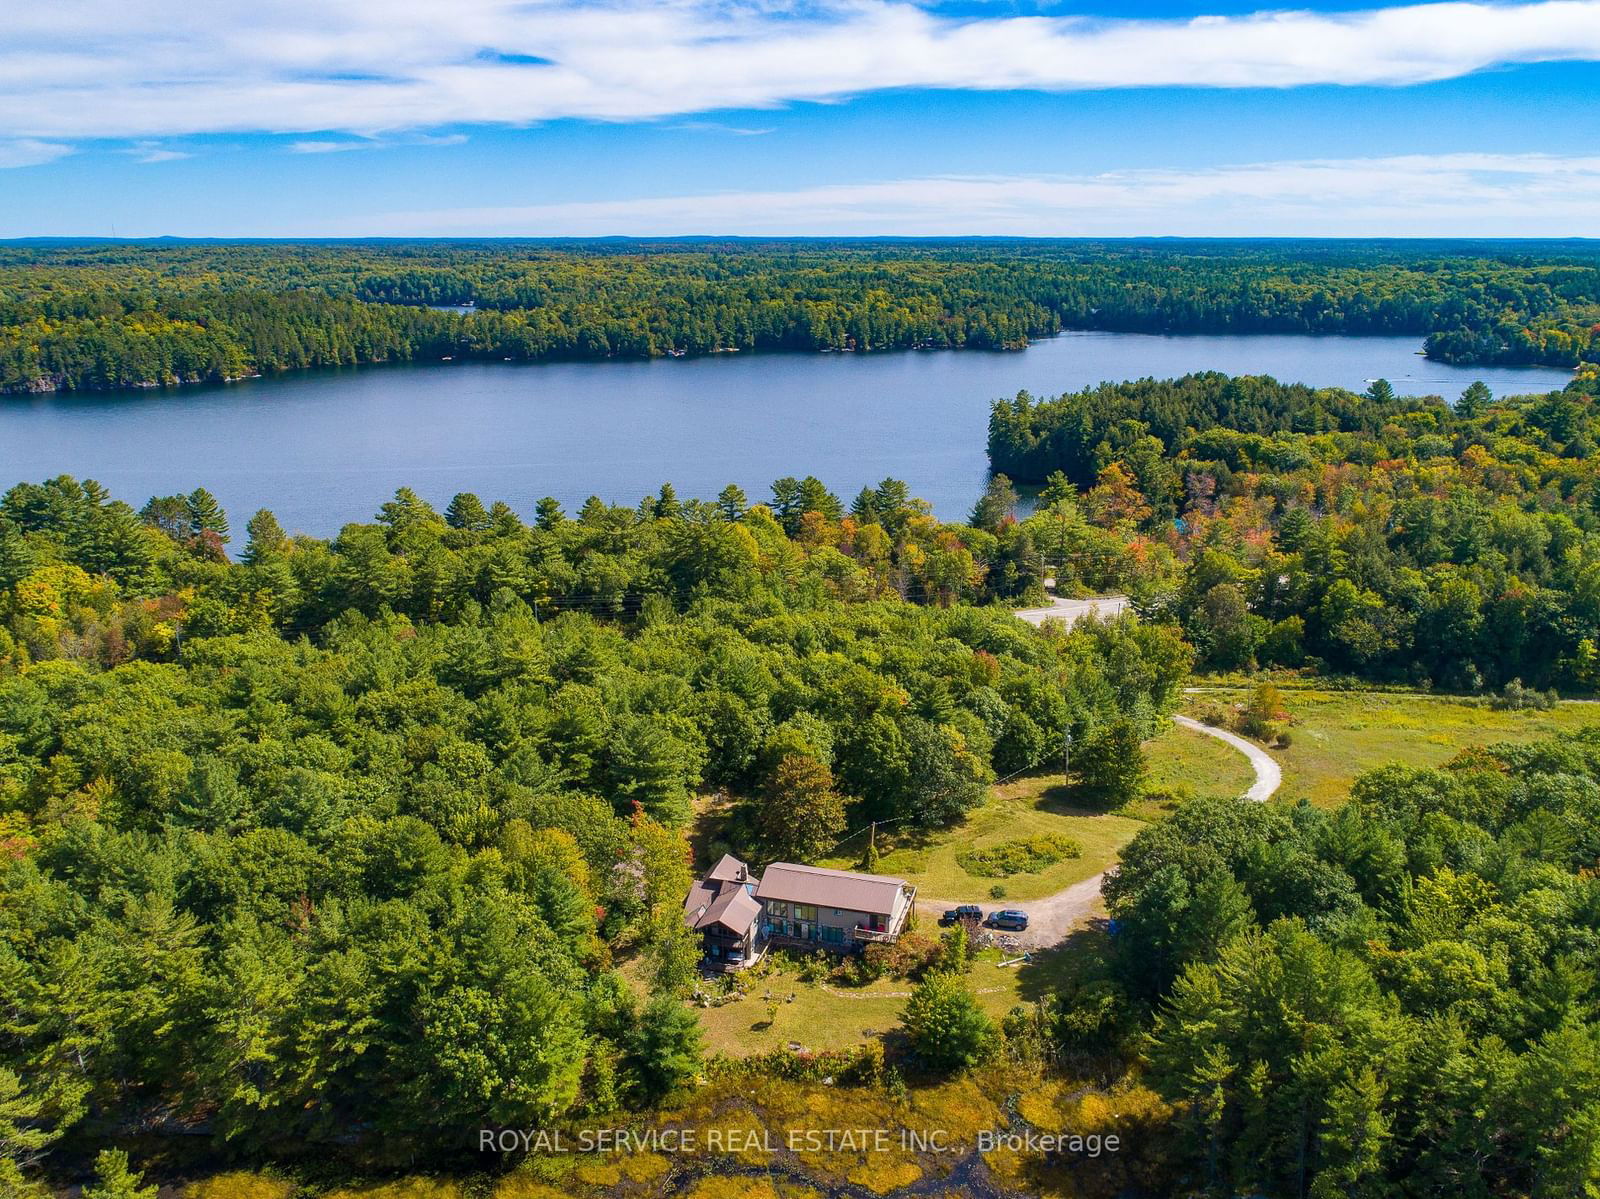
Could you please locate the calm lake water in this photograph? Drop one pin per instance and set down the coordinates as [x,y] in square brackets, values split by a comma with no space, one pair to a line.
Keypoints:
[327,448]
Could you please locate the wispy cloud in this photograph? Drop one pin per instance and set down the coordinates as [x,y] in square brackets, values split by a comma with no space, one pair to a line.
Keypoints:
[331,147]
[1415,195]
[719,127]
[345,145]
[30,152]
[150,152]
[110,68]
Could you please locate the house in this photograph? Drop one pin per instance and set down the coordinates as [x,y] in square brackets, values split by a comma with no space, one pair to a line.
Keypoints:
[805,906]
[723,909]
[833,909]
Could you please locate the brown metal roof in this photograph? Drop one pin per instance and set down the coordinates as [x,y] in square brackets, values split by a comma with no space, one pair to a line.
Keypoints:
[735,909]
[697,901]
[729,870]
[830,888]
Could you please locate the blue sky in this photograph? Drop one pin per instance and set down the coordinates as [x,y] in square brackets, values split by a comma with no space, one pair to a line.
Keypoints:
[548,117]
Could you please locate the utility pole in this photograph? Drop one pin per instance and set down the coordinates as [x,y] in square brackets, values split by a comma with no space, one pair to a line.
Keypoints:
[1066,758]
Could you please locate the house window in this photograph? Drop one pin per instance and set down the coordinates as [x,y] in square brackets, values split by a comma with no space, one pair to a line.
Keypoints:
[777,908]
[832,935]
[805,911]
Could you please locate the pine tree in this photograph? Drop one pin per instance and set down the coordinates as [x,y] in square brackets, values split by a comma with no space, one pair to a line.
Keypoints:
[266,537]
[997,504]
[664,1050]
[466,511]
[731,502]
[16,555]
[945,1025]
[1474,400]
[206,515]
[667,506]
[114,1180]
[548,513]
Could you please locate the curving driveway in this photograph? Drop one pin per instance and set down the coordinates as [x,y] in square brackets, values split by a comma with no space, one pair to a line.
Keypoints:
[1268,775]
[1050,919]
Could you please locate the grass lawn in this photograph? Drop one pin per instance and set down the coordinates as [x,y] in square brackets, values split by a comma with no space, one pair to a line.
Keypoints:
[825,1015]
[1189,763]
[1338,735]
[1033,806]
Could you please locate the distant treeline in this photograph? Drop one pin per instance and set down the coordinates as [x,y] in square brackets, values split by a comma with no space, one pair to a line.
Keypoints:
[99,316]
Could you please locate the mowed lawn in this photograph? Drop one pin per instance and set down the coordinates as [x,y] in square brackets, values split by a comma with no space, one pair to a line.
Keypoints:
[826,1015]
[1027,807]
[1336,736]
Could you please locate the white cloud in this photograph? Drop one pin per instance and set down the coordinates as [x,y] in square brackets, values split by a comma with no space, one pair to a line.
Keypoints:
[30,152]
[331,147]
[149,151]
[325,146]
[719,127]
[153,68]
[1467,195]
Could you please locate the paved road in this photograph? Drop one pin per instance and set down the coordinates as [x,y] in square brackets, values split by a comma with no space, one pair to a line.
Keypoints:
[1050,919]
[1070,611]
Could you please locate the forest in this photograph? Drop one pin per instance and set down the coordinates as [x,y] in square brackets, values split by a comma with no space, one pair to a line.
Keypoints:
[1393,539]
[98,316]
[347,842]
[1394,998]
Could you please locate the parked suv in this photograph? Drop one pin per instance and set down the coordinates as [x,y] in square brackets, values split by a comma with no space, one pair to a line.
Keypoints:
[967,911]
[1008,919]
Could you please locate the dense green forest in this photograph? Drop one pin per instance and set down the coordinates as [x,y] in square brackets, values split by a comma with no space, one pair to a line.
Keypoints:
[344,842]
[1375,535]
[106,315]
[1396,998]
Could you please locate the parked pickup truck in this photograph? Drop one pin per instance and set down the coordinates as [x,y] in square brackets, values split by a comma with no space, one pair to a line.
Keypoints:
[967,911]
[1008,919]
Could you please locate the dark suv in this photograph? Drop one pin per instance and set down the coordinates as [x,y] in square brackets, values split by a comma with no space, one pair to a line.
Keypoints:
[967,911]
[1009,919]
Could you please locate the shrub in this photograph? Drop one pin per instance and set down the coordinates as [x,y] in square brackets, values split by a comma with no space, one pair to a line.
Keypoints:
[1263,715]
[909,957]
[1516,698]
[1026,856]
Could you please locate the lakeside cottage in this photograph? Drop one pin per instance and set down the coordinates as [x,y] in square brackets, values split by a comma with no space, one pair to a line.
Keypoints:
[739,917]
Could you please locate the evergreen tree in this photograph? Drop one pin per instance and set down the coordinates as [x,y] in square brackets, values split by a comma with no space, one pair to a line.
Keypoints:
[266,537]
[664,1048]
[548,513]
[114,1180]
[731,502]
[997,505]
[864,508]
[206,515]
[667,506]
[466,511]
[1474,400]
[945,1025]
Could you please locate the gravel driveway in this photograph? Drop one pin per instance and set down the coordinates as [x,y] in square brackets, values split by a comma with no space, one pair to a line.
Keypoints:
[1050,919]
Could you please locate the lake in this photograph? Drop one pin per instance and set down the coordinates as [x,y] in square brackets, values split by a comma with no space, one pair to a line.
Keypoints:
[321,449]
